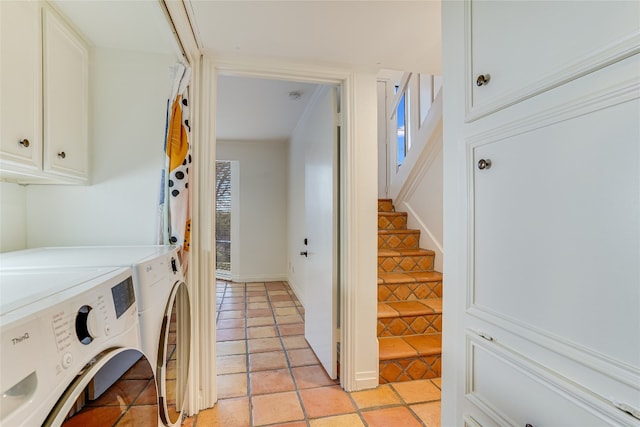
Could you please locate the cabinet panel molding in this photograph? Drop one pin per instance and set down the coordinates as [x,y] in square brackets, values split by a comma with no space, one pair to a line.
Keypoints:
[528,78]
[515,390]
[622,101]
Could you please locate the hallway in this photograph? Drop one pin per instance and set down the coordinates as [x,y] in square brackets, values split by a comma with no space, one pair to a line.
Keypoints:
[268,375]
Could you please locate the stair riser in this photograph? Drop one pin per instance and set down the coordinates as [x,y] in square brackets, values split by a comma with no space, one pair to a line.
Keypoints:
[410,325]
[405,263]
[409,292]
[414,368]
[399,241]
[385,206]
[395,222]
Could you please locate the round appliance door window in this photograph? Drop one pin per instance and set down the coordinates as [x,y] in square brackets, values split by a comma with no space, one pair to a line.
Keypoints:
[130,400]
[173,355]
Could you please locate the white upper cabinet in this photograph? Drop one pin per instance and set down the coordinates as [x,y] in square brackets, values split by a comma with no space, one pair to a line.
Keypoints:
[20,78]
[45,89]
[65,97]
[521,49]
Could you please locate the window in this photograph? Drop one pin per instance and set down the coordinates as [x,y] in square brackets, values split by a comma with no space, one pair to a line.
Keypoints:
[401,129]
[223,216]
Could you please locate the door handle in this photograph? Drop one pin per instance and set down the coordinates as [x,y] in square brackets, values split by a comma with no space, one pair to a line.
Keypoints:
[305,253]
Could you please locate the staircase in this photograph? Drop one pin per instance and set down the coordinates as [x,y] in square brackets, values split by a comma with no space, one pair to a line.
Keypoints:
[409,301]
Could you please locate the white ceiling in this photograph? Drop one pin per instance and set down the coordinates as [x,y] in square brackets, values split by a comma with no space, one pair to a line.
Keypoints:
[402,35]
[258,109]
[363,35]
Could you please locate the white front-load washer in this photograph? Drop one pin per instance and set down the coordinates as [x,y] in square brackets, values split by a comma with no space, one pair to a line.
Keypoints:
[163,306]
[57,329]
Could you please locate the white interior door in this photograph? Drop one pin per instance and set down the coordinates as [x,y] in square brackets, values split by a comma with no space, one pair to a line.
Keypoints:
[321,225]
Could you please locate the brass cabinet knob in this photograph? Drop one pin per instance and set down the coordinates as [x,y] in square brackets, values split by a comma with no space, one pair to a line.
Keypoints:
[484,164]
[24,142]
[483,80]
[62,154]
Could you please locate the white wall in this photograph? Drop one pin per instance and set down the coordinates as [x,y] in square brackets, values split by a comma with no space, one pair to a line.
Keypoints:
[13,217]
[417,187]
[128,108]
[263,190]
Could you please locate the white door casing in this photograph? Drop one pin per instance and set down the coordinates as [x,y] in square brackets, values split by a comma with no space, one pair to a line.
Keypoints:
[321,209]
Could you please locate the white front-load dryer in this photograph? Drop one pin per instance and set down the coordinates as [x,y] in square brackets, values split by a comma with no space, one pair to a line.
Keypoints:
[163,306]
[57,329]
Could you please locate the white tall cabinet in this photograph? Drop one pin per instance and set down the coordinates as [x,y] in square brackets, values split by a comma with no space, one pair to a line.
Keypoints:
[44,92]
[542,213]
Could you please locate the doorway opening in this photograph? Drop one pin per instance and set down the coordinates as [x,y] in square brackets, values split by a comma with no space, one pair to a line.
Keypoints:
[283,135]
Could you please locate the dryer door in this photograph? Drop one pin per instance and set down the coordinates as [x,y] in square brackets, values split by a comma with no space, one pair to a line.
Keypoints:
[133,397]
[174,353]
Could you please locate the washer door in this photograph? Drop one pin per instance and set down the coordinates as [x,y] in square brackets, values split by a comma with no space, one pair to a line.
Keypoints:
[133,397]
[173,355]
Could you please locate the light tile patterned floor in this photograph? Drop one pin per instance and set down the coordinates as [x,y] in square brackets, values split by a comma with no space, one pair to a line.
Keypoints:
[268,375]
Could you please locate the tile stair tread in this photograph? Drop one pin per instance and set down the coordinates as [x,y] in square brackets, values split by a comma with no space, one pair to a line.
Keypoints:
[409,308]
[399,231]
[409,346]
[405,252]
[396,278]
[383,213]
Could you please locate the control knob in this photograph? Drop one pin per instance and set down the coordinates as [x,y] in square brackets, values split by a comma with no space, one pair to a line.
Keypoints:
[87,327]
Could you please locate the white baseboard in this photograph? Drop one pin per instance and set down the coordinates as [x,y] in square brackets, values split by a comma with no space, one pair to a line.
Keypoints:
[260,278]
[296,290]
[366,380]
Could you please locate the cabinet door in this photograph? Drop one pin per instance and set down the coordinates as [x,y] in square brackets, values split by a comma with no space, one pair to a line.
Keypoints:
[65,92]
[528,47]
[20,90]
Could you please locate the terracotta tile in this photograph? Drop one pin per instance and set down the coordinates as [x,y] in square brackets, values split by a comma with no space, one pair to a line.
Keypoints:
[263,312]
[302,357]
[95,417]
[273,381]
[285,311]
[226,348]
[397,416]
[410,308]
[276,408]
[233,314]
[325,401]
[278,292]
[269,360]
[417,391]
[260,321]
[350,420]
[293,329]
[262,332]
[189,421]
[437,382]
[230,334]
[425,344]
[232,385]
[231,364]
[230,323]
[311,376]
[138,415]
[226,413]
[286,320]
[429,413]
[434,303]
[122,393]
[258,306]
[395,348]
[149,395]
[231,306]
[298,424]
[280,298]
[259,345]
[381,396]
[385,311]
[141,370]
[295,341]
[283,304]
[256,293]
[257,299]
